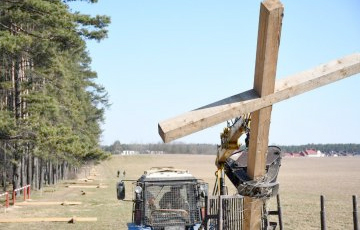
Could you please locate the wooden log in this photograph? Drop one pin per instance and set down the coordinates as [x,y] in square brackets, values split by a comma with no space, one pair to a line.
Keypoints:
[86,186]
[270,22]
[86,179]
[44,203]
[48,219]
[82,183]
[249,101]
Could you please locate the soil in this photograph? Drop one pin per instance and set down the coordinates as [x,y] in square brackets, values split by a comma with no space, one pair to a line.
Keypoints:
[302,181]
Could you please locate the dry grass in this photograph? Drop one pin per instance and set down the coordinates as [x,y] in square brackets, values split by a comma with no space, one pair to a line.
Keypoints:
[302,181]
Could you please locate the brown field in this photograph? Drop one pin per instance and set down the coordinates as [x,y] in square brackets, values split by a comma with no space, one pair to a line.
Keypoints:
[302,181]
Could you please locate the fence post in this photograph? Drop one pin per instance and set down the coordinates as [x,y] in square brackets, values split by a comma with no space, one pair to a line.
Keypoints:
[24,192]
[14,196]
[6,199]
[279,211]
[28,192]
[355,213]
[322,213]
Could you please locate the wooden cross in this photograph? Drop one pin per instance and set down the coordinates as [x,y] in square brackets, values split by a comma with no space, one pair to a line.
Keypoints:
[259,100]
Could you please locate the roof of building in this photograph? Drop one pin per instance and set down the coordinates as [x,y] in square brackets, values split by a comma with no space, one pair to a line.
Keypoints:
[310,152]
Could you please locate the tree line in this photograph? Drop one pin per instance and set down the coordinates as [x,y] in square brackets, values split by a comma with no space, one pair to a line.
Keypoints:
[172,148]
[325,148]
[50,106]
[183,148]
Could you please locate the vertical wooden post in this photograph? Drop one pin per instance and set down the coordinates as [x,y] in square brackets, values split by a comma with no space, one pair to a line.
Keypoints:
[25,190]
[271,13]
[6,199]
[14,197]
[355,213]
[28,192]
[322,213]
[279,212]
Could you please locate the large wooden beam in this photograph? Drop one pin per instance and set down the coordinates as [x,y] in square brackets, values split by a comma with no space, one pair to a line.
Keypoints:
[249,101]
[270,21]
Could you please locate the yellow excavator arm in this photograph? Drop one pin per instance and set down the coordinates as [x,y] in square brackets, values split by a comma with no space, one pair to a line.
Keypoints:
[229,144]
[230,136]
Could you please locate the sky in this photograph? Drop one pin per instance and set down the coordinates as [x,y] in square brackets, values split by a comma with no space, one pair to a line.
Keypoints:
[163,58]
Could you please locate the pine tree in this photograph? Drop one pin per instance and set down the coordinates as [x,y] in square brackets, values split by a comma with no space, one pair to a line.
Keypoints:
[50,108]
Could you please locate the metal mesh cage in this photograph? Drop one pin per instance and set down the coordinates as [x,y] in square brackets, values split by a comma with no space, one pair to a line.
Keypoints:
[231,215]
[171,204]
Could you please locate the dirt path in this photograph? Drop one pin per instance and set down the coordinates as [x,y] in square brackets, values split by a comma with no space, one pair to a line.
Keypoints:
[95,202]
[99,202]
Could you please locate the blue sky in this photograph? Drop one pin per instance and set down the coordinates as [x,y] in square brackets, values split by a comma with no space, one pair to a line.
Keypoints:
[164,58]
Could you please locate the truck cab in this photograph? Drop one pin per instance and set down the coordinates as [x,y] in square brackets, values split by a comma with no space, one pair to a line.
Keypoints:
[166,199]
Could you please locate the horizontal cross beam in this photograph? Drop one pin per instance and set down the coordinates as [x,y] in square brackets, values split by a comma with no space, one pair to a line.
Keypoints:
[249,101]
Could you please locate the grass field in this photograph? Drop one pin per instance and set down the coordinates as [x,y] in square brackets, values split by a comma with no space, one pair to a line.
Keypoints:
[302,181]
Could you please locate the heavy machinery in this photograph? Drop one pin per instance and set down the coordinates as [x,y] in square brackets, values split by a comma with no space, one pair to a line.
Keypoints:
[173,199]
[166,199]
[232,161]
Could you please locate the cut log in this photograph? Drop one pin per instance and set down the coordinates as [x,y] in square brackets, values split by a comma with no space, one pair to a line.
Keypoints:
[86,186]
[44,203]
[48,219]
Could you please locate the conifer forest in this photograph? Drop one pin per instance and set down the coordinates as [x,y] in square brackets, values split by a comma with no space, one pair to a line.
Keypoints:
[51,107]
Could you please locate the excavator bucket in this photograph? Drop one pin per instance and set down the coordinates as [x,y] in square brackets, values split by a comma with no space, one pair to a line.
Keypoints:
[236,170]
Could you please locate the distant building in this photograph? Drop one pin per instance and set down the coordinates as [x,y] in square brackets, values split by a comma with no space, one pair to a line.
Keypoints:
[129,152]
[305,153]
[294,154]
[153,152]
[318,153]
[313,153]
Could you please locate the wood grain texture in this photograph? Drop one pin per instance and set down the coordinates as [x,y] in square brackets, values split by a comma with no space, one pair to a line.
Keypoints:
[270,22]
[249,101]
